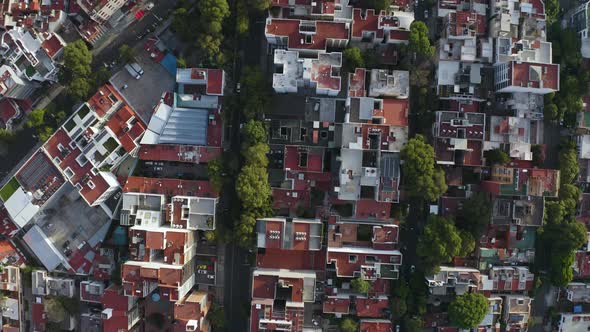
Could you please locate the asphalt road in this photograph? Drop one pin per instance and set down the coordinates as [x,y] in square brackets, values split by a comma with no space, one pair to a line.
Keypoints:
[129,35]
[237,269]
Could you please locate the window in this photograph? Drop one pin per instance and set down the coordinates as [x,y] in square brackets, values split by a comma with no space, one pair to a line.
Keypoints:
[352,258]
[79,186]
[56,160]
[72,144]
[60,147]
[370,259]
[69,173]
[90,184]
[520,301]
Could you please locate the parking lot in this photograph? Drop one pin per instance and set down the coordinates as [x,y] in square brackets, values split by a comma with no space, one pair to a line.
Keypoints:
[205,270]
[144,93]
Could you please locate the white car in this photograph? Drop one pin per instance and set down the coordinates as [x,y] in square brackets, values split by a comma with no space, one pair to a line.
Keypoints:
[149,6]
[202,271]
[210,276]
[426,13]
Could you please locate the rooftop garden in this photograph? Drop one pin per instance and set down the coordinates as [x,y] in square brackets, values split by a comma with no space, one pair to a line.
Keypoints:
[111,144]
[9,189]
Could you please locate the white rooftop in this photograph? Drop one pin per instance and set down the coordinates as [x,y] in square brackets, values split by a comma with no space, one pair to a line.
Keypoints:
[20,208]
[43,248]
[394,84]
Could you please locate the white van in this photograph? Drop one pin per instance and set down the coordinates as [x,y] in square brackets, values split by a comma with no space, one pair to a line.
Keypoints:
[132,72]
[137,68]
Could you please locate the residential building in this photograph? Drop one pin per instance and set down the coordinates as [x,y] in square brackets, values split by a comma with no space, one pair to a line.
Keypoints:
[577,18]
[515,135]
[508,279]
[190,313]
[295,73]
[323,9]
[13,86]
[517,311]
[307,37]
[100,11]
[453,281]
[510,181]
[91,291]
[459,138]
[45,284]
[577,292]
[120,312]
[389,84]
[573,322]
[363,250]
[38,15]
[370,28]
[520,212]
[33,56]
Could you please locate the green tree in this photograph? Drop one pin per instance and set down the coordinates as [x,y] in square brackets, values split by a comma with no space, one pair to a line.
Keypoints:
[348,325]
[254,132]
[36,118]
[353,58]
[398,307]
[6,136]
[215,171]
[100,77]
[76,71]
[476,214]
[216,317]
[379,5]
[554,213]
[439,243]
[569,196]
[255,92]
[561,272]
[210,236]
[551,113]
[551,10]
[568,165]
[242,19]
[259,5]
[538,156]
[422,177]
[180,19]
[126,54]
[496,156]
[181,62]
[467,243]
[468,311]
[55,310]
[256,155]
[413,324]
[253,188]
[419,41]
[360,285]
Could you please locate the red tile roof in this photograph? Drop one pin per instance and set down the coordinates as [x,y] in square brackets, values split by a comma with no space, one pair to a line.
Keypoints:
[128,136]
[521,75]
[394,111]
[312,159]
[325,31]
[7,110]
[114,298]
[336,305]
[368,23]
[215,80]
[291,259]
[169,187]
[52,45]
[263,287]
[371,307]
[356,83]
[182,153]
[346,268]
[582,264]
[9,254]
[7,227]
[102,101]
[370,208]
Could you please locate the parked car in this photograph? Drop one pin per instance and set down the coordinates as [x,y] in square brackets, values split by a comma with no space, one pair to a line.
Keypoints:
[137,68]
[202,271]
[426,13]
[202,267]
[210,276]
[149,6]
[132,72]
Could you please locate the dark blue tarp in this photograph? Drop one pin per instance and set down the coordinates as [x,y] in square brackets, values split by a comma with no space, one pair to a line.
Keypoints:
[169,62]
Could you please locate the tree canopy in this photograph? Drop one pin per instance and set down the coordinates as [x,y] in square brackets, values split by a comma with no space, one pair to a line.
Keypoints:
[569,196]
[551,10]
[348,325]
[568,164]
[422,178]
[476,214]
[353,58]
[255,93]
[496,156]
[441,241]
[468,310]
[254,132]
[55,310]
[413,324]
[419,41]
[126,54]
[77,71]
[252,187]
[360,285]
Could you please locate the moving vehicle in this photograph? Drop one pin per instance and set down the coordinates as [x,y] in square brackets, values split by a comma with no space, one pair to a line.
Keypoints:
[132,72]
